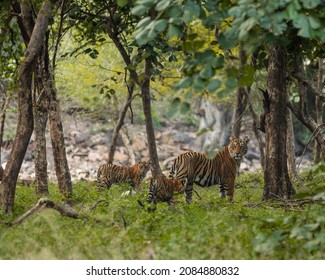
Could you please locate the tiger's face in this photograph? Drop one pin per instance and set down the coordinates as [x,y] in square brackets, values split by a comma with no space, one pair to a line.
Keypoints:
[179,185]
[238,147]
[143,167]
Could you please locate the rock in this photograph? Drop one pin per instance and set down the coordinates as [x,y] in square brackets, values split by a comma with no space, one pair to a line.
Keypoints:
[120,157]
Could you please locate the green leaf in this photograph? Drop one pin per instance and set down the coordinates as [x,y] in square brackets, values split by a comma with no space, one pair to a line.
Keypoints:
[191,11]
[162,5]
[231,82]
[174,12]
[160,25]
[314,22]
[185,107]
[142,37]
[172,31]
[310,4]
[198,84]
[228,39]
[122,3]
[207,72]
[247,76]
[214,85]
[184,83]
[144,22]
[139,10]
[245,27]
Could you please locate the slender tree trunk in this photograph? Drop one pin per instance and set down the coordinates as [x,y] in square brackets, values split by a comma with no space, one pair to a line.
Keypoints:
[291,147]
[241,98]
[25,116]
[146,102]
[57,139]
[120,122]
[40,110]
[127,143]
[319,110]
[302,112]
[256,131]
[113,32]
[4,105]
[276,178]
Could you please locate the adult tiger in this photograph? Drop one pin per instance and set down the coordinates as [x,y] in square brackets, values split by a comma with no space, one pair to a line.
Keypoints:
[109,174]
[222,169]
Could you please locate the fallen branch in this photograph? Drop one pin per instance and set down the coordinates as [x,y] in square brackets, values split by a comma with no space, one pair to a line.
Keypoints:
[41,205]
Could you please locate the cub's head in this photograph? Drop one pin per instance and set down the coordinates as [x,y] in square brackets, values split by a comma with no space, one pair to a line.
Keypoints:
[180,185]
[143,167]
[238,147]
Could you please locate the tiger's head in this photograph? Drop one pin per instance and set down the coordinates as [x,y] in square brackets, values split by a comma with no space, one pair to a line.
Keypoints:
[238,147]
[179,184]
[143,167]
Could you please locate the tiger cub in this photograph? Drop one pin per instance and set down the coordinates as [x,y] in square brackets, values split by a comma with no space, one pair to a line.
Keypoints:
[162,189]
[109,174]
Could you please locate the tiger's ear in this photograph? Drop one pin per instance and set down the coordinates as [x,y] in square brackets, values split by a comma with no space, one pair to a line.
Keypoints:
[231,138]
[246,139]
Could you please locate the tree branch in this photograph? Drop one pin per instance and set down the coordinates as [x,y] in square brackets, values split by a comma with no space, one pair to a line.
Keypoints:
[299,76]
[41,205]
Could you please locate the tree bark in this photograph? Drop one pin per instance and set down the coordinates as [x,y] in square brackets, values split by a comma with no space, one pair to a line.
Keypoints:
[25,117]
[4,105]
[57,139]
[40,110]
[120,122]
[241,98]
[256,131]
[277,184]
[291,147]
[319,109]
[146,103]
[302,112]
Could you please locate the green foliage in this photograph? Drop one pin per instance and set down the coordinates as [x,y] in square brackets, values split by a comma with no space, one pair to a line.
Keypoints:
[118,228]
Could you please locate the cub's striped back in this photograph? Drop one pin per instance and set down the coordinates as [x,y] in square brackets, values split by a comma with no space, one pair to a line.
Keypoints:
[162,189]
[109,174]
[222,169]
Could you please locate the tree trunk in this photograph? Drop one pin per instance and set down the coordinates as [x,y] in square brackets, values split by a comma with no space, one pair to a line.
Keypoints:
[241,98]
[319,110]
[277,184]
[146,102]
[128,145]
[302,113]
[40,110]
[4,105]
[291,148]
[57,139]
[257,132]
[25,117]
[120,122]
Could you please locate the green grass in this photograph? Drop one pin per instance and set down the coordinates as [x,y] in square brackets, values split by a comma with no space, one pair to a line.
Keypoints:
[119,228]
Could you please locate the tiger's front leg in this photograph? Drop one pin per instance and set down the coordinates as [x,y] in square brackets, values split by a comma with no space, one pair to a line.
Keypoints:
[230,188]
[222,190]
[189,193]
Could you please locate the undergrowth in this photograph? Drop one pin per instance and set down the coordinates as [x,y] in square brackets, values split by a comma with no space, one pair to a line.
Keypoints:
[211,228]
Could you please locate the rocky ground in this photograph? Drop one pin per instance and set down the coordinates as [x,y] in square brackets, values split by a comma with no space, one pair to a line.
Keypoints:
[87,143]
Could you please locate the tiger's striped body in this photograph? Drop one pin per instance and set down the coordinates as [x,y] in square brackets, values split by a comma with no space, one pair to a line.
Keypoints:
[221,170]
[162,189]
[109,174]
